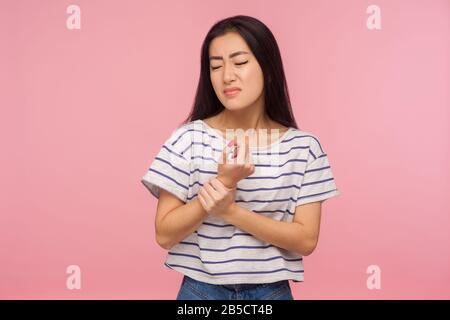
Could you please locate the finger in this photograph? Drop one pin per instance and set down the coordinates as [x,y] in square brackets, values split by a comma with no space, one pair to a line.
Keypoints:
[236,154]
[235,151]
[202,201]
[211,191]
[218,185]
[206,197]
[241,153]
[232,155]
[224,154]
[249,157]
[227,152]
[247,149]
[247,152]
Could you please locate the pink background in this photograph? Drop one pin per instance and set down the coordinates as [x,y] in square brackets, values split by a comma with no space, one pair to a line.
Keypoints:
[85,111]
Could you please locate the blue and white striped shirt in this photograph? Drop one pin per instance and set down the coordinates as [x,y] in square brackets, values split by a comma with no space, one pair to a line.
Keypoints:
[291,171]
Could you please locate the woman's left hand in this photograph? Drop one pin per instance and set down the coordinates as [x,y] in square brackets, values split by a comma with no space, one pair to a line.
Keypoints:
[215,197]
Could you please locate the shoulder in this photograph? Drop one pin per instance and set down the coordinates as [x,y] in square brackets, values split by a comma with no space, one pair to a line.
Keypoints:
[309,139]
[181,135]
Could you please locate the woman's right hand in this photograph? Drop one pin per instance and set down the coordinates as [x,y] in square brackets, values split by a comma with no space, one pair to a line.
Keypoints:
[231,171]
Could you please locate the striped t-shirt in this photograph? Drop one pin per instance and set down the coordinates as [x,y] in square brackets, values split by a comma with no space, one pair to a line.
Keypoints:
[291,171]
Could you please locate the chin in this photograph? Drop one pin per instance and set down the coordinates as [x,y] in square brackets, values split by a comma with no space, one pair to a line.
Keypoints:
[234,106]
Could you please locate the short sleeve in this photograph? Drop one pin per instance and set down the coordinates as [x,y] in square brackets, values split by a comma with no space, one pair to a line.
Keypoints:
[170,168]
[318,182]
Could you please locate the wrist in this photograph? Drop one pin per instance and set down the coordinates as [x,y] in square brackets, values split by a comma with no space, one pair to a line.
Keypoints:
[226,182]
[229,213]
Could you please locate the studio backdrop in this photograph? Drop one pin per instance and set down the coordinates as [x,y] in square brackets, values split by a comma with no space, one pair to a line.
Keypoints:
[91,89]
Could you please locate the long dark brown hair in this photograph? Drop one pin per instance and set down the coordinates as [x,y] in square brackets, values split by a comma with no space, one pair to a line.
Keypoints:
[263,45]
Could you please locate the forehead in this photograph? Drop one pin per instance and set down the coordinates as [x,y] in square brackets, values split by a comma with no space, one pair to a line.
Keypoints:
[228,43]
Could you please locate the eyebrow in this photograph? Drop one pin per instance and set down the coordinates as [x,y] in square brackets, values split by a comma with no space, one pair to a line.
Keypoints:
[231,55]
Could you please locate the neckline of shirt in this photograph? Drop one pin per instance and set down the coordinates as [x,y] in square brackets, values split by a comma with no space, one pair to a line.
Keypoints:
[216,134]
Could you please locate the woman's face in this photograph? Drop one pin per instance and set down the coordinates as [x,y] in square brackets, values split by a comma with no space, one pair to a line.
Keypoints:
[241,70]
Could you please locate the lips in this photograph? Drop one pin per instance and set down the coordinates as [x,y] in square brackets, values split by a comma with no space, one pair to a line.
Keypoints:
[231,90]
[231,94]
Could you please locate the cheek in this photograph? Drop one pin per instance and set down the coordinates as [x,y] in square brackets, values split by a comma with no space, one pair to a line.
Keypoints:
[212,77]
[216,81]
[253,80]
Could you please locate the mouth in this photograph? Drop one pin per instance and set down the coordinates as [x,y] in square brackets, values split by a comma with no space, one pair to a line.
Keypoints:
[232,93]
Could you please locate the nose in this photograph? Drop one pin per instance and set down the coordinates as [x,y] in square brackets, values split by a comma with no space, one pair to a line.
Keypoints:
[229,74]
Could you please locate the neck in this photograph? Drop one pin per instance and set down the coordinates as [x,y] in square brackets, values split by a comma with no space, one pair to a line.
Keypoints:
[248,118]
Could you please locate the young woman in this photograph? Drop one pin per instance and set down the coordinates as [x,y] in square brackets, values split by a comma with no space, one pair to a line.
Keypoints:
[237,221]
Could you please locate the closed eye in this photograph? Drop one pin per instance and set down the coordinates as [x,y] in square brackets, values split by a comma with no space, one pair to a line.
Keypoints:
[238,64]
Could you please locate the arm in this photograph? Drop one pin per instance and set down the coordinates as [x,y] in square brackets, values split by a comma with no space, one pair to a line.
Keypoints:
[300,235]
[176,220]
